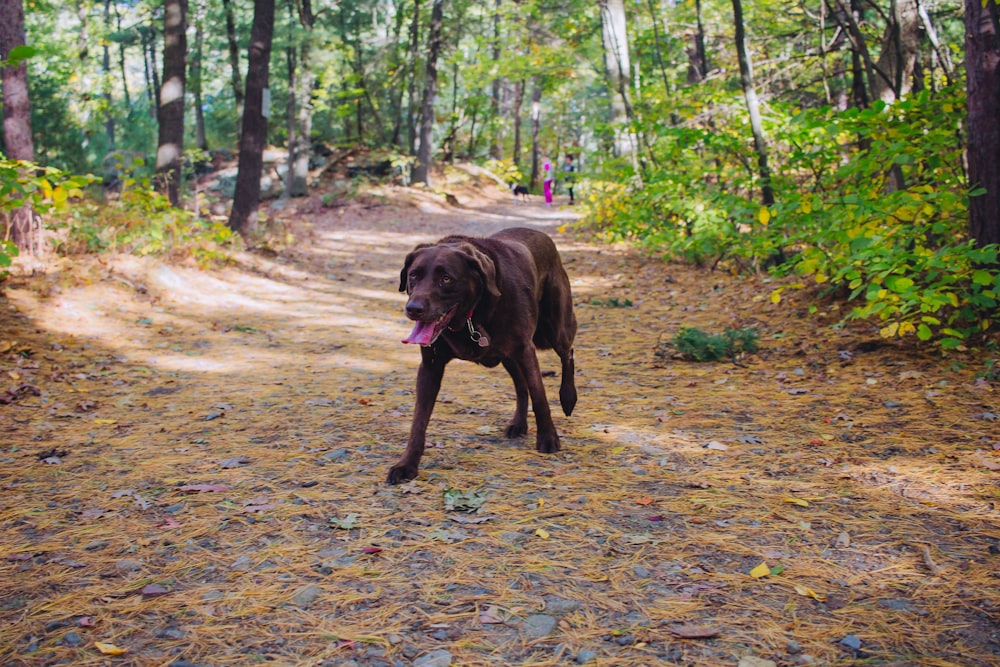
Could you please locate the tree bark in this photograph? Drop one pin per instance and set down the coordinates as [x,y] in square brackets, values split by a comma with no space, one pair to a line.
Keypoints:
[753,105]
[234,59]
[243,217]
[303,146]
[518,102]
[411,109]
[170,151]
[496,145]
[536,122]
[196,80]
[982,66]
[109,116]
[425,151]
[697,59]
[25,227]
[898,55]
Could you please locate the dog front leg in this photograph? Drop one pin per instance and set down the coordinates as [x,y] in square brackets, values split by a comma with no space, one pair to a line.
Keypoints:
[546,440]
[429,377]
[518,425]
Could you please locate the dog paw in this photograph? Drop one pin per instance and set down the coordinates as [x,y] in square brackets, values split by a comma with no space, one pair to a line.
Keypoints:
[516,430]
[547,444]
[401,473]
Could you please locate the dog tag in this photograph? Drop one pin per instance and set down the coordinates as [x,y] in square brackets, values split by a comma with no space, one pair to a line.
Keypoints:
[483,342]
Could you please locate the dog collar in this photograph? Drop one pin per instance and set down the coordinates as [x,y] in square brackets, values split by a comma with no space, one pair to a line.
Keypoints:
[477,337]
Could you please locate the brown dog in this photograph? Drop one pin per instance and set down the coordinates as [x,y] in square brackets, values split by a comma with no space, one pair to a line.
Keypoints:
[493,301]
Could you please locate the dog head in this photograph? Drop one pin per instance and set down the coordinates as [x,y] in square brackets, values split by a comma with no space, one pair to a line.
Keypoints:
[444,282]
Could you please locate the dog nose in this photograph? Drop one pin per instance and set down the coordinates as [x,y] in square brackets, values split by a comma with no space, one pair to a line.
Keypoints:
[414,309]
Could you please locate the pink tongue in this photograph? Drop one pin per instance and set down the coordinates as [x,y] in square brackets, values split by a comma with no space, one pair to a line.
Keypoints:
[422,334]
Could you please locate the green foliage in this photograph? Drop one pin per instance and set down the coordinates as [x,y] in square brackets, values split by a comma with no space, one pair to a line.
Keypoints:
[695,344]
[140,220]
[870,203]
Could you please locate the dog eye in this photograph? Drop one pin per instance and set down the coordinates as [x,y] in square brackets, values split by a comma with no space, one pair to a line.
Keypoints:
[445,279]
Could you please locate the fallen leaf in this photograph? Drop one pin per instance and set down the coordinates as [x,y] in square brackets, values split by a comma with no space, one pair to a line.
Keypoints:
[760,571]
[203,488]
[689,631]
[109,649]
[490,615]
[542,533]
[644,501]
[371,550]
[717,446]
[153,591]
[105,421]
[985,462]
[797,501]
[843,540]
[467,519]
[805,591]
[233,462]
[85,622]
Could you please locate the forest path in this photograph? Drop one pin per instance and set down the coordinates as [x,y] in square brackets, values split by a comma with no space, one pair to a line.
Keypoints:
[223,436]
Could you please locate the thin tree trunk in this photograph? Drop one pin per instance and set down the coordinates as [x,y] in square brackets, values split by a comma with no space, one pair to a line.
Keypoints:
[121,58]
[536,120]
[109,116]
[148,37]
[234,59]
[170,151]
[396,87]
[753,106]
[496,144]
[411,111]
[422,170]
[243,217]
[982,66]
[290,62]
[659,52]
[25,227]
[201,139]
[300,167]
[697,58]
[518,101]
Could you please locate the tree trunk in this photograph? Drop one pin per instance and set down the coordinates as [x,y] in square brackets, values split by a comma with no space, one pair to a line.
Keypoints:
[170,151]
[109,116]
[518,101]
[25,228]
[121,59]
[290,62]
[753,106]
[697,59]
[898,55]
[982,66]
[234,59]
[196,71]
[536,121]
[616,61]
[496,145]
[300,167]
[411,111]
[425,151]
[148,37]
[243,217]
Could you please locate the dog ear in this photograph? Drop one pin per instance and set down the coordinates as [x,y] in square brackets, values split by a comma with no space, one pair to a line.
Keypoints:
[404,278]
[482,263]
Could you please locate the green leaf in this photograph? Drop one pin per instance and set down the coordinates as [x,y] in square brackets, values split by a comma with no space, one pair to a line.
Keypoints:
[982,277]
[20,53]
[924,332]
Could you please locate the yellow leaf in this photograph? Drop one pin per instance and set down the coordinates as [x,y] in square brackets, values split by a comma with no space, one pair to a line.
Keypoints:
[906,327]
[59,195]
[889,331]
[542,533]
[806,206]
[805,591]
[109,649]
[761,570]
[764,215]
[776,295]
[821,278]
[797,501]
[105,421]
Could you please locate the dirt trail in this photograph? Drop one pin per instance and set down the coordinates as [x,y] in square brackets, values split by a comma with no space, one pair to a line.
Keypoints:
[222,436]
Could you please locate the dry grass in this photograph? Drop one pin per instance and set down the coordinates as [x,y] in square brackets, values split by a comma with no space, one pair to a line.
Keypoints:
[865,475]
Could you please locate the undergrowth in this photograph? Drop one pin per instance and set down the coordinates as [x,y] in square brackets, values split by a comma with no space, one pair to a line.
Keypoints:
[697,345]
[871,206]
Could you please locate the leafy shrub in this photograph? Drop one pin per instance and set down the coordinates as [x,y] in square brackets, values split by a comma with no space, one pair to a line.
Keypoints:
[695,344]
[871,204]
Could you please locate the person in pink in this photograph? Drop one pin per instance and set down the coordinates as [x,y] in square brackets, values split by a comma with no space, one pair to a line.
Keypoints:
[547,182]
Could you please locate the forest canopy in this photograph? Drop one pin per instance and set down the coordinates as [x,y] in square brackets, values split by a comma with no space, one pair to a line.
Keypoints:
[843,141]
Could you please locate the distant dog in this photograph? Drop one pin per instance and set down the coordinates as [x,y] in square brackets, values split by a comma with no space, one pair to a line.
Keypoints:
[491,301]
[519,191]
